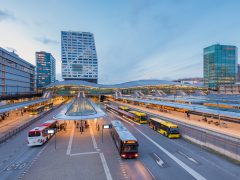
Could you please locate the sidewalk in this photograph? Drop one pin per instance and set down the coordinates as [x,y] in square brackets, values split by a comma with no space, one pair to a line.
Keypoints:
[14,121]
[232,129]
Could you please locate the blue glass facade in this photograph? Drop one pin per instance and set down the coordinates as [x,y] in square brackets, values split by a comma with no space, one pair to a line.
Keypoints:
[220,65]
[46,69]
[17,76]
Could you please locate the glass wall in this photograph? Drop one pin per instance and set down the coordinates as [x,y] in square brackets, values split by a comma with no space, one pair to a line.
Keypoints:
[16,75]
[220,65]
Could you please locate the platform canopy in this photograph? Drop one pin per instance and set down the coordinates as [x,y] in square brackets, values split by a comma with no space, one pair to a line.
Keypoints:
[80,109]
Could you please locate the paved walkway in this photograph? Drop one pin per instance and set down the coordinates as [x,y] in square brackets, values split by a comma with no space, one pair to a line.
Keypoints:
[232,129]
[14,120]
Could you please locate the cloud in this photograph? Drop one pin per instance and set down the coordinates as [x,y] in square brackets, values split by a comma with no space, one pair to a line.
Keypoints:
[5,15]
[46,41]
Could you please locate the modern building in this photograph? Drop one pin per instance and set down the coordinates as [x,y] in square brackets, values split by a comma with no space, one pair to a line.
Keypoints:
[220,65]
[17,76]
[238,74]
[79,56]
[46,69]
[72,87]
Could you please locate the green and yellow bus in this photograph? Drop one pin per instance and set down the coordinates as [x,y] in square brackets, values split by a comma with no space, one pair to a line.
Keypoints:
[165,128]
[140,117]
[124,108]
[36,110]
[49,105]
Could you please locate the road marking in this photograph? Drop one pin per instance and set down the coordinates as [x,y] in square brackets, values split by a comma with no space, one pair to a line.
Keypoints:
[105,167]
[189,158]
[150,173]
[33,161]
[84,153]
[70,141]
[93,138]
[195,174]
[159,161]
[205,159]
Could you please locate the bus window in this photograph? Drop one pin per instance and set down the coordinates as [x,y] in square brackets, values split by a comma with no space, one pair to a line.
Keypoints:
[174,131]
[129,148]
[34,134]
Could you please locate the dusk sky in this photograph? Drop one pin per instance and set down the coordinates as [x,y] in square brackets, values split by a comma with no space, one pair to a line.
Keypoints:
[135,39]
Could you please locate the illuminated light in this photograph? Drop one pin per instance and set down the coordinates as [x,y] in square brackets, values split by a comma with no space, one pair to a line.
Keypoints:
[123,155]
[136,155]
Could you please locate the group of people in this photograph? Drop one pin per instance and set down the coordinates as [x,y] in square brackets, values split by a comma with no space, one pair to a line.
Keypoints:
[80,125]
[4,115]
[62,126]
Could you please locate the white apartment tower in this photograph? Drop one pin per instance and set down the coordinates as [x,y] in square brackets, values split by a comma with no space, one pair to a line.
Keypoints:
[79,56]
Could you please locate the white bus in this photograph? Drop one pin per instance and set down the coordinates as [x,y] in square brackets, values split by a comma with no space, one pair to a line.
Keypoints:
[39,135]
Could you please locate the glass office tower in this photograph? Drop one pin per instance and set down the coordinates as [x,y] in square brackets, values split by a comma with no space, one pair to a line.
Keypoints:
[220,65]
[238,74]
[17,76]
[79,57]
[46,69]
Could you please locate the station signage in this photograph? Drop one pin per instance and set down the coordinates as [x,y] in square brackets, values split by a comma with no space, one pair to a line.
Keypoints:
[50,131]
[107,126]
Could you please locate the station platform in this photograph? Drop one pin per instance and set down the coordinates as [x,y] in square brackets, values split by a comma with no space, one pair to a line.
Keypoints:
[231,129]
[10,107]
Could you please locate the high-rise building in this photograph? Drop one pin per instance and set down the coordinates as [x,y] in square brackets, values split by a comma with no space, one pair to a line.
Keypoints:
[79,56]
[238,74]
[220,65]
[17,76]
[46,69]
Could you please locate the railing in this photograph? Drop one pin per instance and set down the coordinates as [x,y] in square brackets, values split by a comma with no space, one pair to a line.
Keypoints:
[22,127]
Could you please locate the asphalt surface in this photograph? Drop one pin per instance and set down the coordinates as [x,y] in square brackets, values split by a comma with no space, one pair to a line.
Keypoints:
[16,156]
[89,156]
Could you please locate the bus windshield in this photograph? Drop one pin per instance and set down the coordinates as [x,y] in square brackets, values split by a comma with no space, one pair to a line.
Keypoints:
[144,118]
[34,134]
[129,148]
[174,131]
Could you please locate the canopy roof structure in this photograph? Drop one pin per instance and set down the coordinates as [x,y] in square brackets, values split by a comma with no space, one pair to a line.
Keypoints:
[131,84]
[80,109]
[199,108]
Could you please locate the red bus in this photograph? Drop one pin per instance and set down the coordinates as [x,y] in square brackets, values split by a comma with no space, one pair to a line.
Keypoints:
[39,135]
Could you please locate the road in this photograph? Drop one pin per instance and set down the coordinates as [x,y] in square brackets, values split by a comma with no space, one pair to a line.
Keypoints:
[87,156]
[177,158]
[16,156]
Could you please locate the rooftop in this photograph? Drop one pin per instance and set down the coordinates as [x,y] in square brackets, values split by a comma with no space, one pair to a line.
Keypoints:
[129,84]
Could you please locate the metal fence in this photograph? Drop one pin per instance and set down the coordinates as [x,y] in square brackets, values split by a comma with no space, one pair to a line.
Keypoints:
[22,127]
[225,145]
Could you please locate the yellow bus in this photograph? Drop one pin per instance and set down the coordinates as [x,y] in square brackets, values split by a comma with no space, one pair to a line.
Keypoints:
[36,110]
[165,128]
[124,108]
[140,117]
[49,105]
